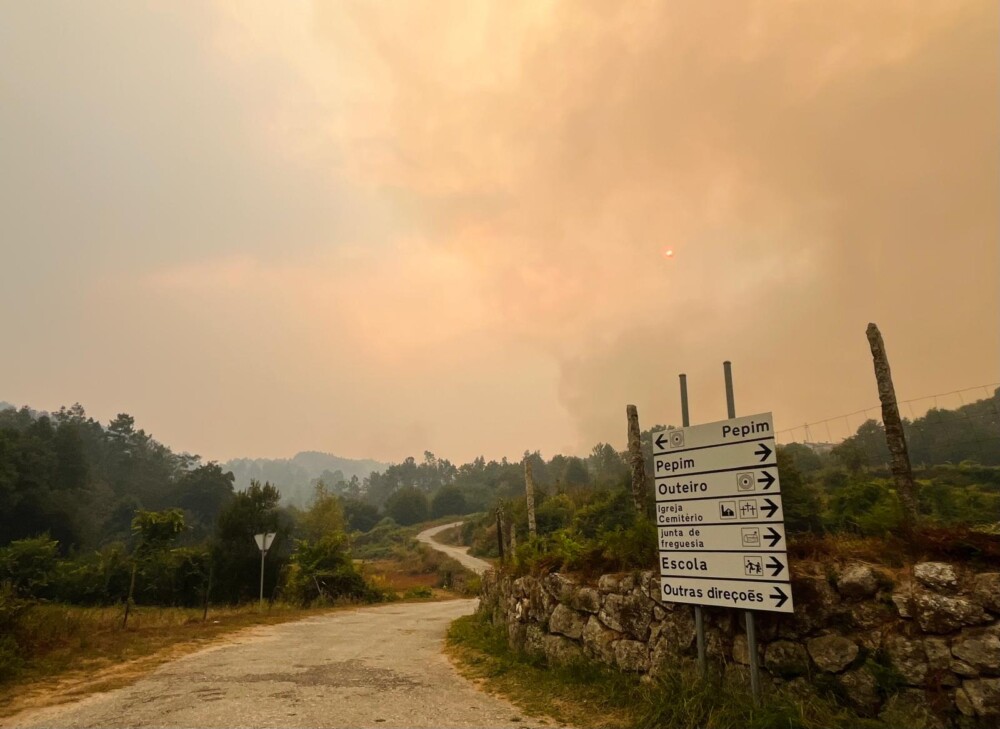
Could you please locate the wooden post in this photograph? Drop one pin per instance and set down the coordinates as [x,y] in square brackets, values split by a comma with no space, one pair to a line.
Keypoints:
[500,548]
[895,439]
[208,590]
[128,600]
[636,461]
[529,491]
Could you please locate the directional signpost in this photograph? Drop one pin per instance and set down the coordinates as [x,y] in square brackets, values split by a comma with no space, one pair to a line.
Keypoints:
[720,518]
[264,542]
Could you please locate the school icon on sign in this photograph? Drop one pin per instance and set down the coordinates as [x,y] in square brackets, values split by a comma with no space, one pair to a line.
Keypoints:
[753,566]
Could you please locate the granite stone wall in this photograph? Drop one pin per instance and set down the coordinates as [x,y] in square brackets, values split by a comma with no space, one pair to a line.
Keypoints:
[920,647]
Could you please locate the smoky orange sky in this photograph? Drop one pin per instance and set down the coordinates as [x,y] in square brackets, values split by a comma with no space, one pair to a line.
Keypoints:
[379,228]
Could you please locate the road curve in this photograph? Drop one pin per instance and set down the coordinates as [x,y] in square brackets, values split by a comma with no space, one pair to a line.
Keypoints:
[458,553]
[370,667]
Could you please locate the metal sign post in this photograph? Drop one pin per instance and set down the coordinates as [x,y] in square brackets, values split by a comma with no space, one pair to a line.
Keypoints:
[264,542]
[699,618]
[727,370]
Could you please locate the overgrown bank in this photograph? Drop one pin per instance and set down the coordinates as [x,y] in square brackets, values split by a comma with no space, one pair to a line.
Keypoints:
[917,646]
[586,694]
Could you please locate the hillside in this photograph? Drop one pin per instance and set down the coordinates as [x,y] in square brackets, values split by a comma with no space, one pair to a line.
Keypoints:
[294,476]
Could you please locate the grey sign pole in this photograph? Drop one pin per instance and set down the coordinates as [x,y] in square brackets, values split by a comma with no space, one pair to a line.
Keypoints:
[699,618]
[727,369]
[263,543]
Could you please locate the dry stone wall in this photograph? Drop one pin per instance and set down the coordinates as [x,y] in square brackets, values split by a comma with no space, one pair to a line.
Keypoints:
[921,648]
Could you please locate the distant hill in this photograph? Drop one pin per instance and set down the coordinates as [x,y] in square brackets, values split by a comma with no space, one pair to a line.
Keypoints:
[294,476]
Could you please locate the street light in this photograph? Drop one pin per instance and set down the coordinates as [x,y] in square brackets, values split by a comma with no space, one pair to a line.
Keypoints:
[263,544]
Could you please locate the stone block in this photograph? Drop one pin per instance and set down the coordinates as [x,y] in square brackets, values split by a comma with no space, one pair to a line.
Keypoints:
[627,614]
[561,651]
[979,648]
[979,697]
[586,599]
[986,589]
[786,659]
[909,658]
[938,576]
[857,581]
[861,690]
[598,641]
[567,622]
[632,655]
[832,653]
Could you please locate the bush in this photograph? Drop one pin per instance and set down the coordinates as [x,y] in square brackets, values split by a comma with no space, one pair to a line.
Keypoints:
[323,571]
[12,609]
[28,565]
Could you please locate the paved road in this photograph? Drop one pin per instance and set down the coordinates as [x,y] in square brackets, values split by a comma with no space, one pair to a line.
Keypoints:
[371,667]
[459,553]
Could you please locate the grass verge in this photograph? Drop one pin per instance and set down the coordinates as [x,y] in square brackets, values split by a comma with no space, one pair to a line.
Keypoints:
[588,695]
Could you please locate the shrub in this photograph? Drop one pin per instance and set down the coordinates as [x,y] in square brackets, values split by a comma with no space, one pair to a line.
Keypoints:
[29,564]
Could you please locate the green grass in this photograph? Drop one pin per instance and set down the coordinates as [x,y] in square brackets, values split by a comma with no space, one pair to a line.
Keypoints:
[590,695]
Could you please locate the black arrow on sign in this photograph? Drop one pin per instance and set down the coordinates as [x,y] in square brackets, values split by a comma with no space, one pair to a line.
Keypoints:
[763,451]
[775,564]
[767,479]
[780,596]
[660,441]
[770,508]
[773,536]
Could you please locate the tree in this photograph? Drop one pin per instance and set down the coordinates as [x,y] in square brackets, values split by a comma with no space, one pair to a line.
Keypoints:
[448,500]
[156,530]
[203,493]
[361,517]
[234,553]
[407,506]
[324,517]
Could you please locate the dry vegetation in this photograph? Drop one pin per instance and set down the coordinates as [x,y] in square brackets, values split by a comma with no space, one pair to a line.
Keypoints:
[72,650]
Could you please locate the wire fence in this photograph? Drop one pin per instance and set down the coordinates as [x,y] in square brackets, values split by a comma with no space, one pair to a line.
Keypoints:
[925,414]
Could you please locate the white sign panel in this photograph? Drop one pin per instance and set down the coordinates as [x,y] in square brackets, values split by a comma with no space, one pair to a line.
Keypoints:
[715,459]
[757,536]
[724,510]
[720,517]
[264,541]
[737,430]
[745,595]
[756,480]
[757,566]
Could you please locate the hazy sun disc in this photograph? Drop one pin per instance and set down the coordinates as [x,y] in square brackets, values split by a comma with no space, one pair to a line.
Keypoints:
[668,252]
